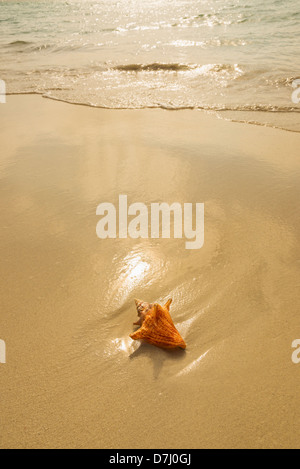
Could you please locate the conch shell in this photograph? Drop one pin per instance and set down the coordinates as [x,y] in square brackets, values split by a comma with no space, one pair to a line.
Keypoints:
[157,327]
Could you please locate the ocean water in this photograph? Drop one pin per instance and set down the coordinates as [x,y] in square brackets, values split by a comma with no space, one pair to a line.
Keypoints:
[234,57]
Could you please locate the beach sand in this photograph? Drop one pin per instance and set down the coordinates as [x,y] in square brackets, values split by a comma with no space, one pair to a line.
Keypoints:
[73,377]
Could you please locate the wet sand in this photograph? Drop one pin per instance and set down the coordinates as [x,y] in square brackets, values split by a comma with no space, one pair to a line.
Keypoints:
[73,377]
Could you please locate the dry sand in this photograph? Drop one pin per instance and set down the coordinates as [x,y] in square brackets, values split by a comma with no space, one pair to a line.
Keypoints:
[73,377]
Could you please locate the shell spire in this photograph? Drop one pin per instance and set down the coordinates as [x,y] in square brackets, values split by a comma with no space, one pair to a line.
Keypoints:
[157,327]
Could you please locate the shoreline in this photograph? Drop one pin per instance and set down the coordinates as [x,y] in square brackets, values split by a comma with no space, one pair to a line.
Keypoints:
[73,377]
[202,110]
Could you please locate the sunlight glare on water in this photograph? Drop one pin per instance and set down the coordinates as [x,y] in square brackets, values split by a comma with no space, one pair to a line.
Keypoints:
[235,58]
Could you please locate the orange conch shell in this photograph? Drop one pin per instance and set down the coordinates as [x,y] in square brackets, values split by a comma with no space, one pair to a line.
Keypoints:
[157,327]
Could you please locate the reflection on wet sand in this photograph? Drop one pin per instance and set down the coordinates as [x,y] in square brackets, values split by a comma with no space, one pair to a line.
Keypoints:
[74,375]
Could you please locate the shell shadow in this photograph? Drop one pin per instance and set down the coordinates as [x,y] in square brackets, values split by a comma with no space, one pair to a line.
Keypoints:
[158,356]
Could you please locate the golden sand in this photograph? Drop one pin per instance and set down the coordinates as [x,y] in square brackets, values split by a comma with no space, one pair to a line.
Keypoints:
[73,377]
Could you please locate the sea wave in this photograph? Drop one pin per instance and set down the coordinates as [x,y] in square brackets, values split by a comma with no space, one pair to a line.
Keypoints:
[221,88]
[154,67]
[202,69]
[18,43]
